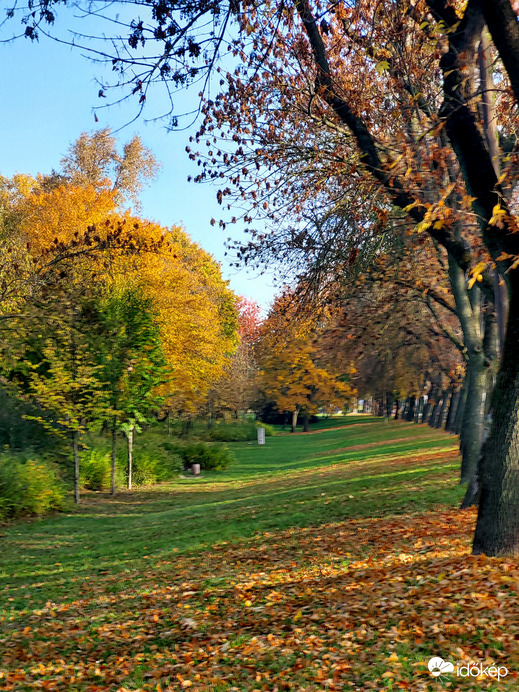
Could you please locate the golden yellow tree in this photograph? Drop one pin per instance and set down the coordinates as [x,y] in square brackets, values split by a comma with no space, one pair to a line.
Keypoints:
[293,375]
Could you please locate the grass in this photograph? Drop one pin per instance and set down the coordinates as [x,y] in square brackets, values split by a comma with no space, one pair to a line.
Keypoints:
[198,563]
[299,480]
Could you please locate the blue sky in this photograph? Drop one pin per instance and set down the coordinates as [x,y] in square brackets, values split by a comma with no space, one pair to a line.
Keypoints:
[48,95]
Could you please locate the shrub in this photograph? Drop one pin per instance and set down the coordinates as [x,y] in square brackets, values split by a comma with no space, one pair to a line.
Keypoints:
[154,466]
[95,469]
[209,456]
[28,486]
[237,431]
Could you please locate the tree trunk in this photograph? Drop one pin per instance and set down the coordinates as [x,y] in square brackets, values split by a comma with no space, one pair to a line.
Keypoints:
[130,457]
[306,423]
[453,407]
[294,420]
[410,413]
[427,405]
[396,409]
[472,426]
[461,408]
[497,529]
[434,413]
[442,418]
[114,455]
[427,409]
[418,409]
[75,444]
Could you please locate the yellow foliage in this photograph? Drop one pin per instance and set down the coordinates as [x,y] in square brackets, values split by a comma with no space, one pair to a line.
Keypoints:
[196,309]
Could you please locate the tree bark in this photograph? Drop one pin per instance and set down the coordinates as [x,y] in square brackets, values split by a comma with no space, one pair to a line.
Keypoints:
[502,24]
[443,408]
[295,413]
[497,529]
[306,423]
[435,410]
[427,409]
[453,407]
[114,455]
[410,412]
[472,426]
[75,444]
[130,457]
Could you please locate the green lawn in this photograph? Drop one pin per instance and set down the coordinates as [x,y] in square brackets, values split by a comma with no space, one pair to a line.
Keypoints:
[294,480]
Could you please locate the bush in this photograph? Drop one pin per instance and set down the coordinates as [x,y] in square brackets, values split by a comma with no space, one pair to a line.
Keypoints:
[237,431]
[28,486]
[95,469]
[154,466]
[210,456]
[150,465]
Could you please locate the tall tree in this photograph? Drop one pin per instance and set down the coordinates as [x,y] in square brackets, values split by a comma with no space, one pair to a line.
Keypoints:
[132,364]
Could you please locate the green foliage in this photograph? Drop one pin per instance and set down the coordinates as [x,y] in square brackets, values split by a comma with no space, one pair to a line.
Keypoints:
[95,469]
[28,486]
[152,466]
[18,433]
[237,431]
[210,456]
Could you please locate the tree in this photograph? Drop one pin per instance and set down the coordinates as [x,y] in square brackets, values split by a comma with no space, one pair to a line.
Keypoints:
[57,368]
[132,364]
[236,390]
[93,158]
[292,376]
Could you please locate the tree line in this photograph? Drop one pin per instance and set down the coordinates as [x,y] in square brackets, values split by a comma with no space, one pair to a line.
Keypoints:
[391,119]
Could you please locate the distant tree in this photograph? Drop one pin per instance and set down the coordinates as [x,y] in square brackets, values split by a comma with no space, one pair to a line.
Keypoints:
[236,389]
[93,158]
[292,373]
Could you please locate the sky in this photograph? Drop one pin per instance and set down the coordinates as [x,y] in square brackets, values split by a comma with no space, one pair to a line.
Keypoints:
[49,92]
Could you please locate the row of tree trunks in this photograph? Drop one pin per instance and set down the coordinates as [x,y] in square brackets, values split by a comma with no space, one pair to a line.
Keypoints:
[442,411]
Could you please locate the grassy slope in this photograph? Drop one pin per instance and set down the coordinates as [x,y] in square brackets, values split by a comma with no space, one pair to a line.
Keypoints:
[104,590]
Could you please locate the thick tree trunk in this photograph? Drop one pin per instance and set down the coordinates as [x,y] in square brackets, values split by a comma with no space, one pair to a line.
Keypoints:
[410,411]
[294,420]
[435,411]
[497,529]
[306,423]
[471,434]
[397,409]
[130,457]
[75,445]
[114,455]
[458,421]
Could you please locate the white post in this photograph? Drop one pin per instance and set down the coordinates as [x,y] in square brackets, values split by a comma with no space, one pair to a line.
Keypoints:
[261,436]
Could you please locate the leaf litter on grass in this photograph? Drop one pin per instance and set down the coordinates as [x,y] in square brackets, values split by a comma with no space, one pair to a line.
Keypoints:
[360,605]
